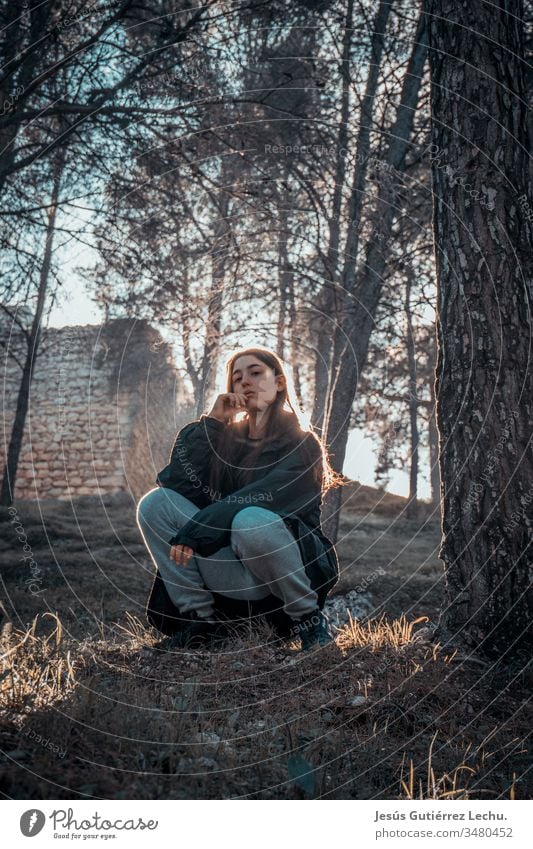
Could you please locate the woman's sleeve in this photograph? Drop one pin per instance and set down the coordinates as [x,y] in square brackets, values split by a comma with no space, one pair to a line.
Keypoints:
[188,469]
[289,488]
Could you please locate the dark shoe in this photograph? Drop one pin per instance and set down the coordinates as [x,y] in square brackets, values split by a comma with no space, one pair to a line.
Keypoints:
[313,630]
[194,632]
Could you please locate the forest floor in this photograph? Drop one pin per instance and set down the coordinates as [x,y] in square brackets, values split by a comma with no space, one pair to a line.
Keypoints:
[90,709]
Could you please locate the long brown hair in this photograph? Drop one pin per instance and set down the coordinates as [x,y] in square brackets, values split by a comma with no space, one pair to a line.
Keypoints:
[285,420]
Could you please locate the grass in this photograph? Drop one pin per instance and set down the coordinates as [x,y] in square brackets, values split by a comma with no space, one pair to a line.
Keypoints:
[89,708]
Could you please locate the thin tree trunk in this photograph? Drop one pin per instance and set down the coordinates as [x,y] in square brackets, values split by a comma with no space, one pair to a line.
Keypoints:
[434,473]
[186,334]
[322,368]
[283,273]
[345,294]
[214,309]
[412,502]
[211,344]
[350,357]
[484,254]
[433,433]
[291,302]
[7,491]
[327,300]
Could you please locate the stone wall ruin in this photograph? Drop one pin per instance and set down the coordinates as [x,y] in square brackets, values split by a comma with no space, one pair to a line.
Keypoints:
[105,404]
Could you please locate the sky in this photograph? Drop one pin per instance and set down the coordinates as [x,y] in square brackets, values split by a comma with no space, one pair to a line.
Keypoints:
[75,307]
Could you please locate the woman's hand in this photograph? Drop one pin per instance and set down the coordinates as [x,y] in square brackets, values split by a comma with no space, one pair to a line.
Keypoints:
[227,406]
[181,554]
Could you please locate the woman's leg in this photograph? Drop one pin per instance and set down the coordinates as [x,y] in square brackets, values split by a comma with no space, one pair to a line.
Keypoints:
[160,514]
[225,574]
[261,539]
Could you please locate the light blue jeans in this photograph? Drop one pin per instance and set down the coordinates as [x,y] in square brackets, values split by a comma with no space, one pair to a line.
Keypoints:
[262,559]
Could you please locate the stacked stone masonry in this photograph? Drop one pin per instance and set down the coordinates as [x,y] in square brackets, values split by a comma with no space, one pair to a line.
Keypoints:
[105,404]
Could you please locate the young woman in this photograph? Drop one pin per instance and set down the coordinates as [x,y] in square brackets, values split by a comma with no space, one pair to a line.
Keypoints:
[234,524]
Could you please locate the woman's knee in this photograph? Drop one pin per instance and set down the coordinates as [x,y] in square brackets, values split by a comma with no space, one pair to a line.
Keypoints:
[256,526]
[150,505]
[164,504]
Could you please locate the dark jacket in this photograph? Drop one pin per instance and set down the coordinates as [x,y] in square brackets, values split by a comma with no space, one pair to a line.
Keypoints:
[282,481]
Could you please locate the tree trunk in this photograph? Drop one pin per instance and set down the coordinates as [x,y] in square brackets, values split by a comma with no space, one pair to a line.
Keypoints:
[484,248]
[291,301]
[186,333]
[211,345]
[434,472]
[7,491]
[322,367]
[326,308]
[283,273]
[219,255]
[344,297]
[411,509]
[433,433]
[362,306]
[287,308]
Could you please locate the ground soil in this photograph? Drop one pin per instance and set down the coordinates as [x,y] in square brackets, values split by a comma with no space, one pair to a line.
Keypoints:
[90,708]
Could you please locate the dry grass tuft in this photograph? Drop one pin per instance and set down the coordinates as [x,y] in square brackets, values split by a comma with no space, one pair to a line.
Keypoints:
[379,633]
[34,670]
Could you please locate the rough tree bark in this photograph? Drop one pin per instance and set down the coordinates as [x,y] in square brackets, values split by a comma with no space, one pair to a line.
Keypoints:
[484,254]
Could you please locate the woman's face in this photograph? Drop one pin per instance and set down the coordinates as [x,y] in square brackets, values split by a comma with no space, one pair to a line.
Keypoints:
[257,381]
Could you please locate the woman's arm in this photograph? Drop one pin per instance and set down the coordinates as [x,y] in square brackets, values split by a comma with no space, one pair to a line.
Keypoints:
[195,446]
[289,488]
[188,469]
